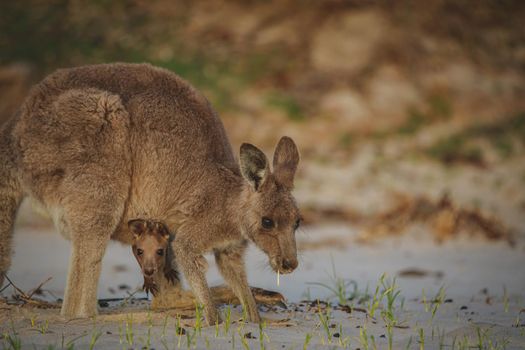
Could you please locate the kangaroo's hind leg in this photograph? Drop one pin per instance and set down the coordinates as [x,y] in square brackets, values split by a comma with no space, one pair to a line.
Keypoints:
[10,198]
[91,196]
[92,214]
[74,155]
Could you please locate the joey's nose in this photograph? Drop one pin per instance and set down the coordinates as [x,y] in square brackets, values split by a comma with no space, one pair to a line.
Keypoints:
[149,271]
[289,264]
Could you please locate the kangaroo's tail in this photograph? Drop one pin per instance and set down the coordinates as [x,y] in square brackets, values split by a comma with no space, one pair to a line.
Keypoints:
[10,197]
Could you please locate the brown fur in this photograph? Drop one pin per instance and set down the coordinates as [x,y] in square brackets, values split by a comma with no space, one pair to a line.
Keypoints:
[100,145]
[151,248]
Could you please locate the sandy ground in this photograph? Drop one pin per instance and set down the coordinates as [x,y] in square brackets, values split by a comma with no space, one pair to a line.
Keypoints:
[482,300]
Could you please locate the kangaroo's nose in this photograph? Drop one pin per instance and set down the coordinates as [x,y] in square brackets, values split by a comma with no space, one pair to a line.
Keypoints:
[149,271]
[289,264]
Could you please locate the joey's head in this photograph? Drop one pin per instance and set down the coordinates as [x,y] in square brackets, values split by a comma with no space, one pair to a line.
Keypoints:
[270,215]
[150,244]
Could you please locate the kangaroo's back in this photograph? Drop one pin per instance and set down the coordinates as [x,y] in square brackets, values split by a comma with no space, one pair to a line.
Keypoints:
[156,100]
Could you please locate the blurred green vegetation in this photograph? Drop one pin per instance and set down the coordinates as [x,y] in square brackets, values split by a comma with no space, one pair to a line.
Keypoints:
[52,33]
[61,33]
[437,107]
[504,136]
[347,140]
[220,79]
[286,103]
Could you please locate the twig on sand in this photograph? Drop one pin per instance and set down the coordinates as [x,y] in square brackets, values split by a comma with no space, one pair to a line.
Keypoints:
[7,285]
[39,286]
[130,296]
[28,299]
[21,292]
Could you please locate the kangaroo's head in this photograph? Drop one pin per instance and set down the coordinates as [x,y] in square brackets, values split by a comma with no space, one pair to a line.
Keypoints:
[150,244]
[270,214]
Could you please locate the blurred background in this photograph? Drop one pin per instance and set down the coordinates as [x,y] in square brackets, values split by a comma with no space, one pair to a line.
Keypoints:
[390,102]
[409,115]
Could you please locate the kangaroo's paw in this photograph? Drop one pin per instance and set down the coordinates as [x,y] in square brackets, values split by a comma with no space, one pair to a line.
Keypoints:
[172,276]
[150,286]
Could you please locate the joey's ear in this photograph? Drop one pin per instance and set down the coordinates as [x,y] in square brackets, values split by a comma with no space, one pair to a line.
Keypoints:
[163,230]
[254,165]
[137,226]
[285,160]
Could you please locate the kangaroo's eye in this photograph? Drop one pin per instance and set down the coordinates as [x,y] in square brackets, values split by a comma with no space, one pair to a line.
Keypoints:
[160,252]
[139,251]
[267,223]
[297,224]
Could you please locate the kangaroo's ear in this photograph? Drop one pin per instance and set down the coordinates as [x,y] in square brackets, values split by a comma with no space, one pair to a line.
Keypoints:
[137,226]
[285,160]
[254,165]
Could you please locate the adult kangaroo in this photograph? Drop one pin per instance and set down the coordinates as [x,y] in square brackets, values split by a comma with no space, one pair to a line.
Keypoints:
[100,145]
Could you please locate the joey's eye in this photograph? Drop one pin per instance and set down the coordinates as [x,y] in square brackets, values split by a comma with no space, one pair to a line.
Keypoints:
[160,252]
[267,223]
[139,251]
[297,224]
